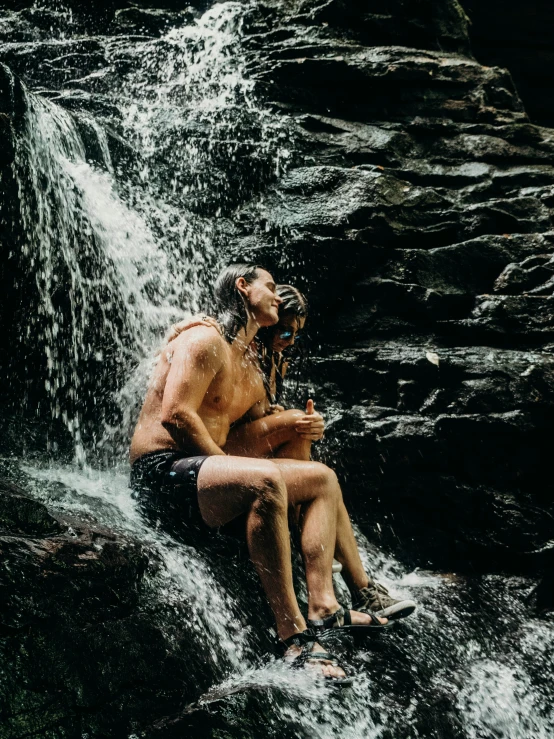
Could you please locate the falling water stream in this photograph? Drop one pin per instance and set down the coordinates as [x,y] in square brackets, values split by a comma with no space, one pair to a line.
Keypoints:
[125,216]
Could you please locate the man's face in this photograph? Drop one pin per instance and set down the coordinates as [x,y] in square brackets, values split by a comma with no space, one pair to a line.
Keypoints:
[262,300]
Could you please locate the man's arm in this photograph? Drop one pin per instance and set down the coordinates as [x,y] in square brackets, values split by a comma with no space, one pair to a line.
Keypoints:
[258,410]
[195,362]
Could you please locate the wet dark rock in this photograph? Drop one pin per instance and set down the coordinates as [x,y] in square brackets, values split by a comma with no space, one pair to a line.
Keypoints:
[86,643]
[11,94]
[11,107]
[529,316]
[467,268]
[444,451]
[13,28]
[430,24]
[542,597]
[532,275]
[17,4]
[382,209]
[502,35]
[77,635]
[90,17]
[421,218]
[169,5]
[416,210]
[55,64]
[61,583]
[387,83]
[21,515]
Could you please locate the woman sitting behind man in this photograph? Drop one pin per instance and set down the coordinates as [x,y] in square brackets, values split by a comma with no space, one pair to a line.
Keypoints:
[270,430]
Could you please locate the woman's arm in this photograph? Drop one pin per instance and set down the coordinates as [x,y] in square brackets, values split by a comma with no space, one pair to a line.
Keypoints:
[186,323]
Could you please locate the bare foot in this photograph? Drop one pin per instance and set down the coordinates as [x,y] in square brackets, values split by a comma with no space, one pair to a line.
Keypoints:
[324,668]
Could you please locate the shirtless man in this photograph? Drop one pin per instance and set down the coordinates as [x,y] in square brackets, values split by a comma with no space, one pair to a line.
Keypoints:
[202,383]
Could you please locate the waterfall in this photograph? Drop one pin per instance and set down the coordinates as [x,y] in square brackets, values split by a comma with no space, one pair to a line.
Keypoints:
[133,248]
[90,255]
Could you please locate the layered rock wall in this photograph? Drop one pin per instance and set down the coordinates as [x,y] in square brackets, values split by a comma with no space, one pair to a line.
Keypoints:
[505,34]
[415,210]
[82,646]
[420,213]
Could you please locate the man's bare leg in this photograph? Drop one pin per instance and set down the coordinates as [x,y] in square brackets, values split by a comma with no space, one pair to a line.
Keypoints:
[229,486]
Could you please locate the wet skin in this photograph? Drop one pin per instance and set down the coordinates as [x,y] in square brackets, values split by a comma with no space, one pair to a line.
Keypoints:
[179,413]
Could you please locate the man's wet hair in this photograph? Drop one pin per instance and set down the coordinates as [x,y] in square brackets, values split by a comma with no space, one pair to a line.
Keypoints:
[294,302]
[229,303]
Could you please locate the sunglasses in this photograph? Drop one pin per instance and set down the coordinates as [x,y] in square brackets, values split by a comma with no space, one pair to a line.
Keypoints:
[287,334]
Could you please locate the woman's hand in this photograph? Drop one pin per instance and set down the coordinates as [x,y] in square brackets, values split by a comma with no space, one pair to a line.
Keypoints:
[178,328]
[274,408]
[311,425]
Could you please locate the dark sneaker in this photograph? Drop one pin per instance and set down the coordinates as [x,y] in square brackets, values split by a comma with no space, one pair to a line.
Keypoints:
[376,599]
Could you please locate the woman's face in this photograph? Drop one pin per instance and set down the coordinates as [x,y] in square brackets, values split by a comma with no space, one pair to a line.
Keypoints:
[286,331]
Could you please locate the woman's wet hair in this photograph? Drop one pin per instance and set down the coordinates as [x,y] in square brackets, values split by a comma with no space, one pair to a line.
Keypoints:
[294,302]
[230,307]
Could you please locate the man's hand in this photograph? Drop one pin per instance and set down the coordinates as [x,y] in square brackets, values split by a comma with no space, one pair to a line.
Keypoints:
[311,426]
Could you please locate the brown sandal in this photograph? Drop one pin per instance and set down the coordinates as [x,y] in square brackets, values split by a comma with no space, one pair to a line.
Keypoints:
[306,640]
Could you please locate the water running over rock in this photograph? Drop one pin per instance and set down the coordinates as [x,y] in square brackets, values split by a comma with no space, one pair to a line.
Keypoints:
[91,258]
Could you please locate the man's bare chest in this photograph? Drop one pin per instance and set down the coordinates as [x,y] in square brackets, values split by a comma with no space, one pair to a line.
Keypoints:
[248,386]
[236,388]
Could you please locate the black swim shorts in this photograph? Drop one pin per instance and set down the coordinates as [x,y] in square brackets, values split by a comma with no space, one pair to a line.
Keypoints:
[165,485]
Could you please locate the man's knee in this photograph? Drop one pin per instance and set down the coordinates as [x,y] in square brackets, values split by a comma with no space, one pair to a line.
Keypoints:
[270,489]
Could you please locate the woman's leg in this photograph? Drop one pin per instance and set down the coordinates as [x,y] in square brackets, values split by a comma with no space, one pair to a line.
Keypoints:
[275,436]
[346,552]
[316,488]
